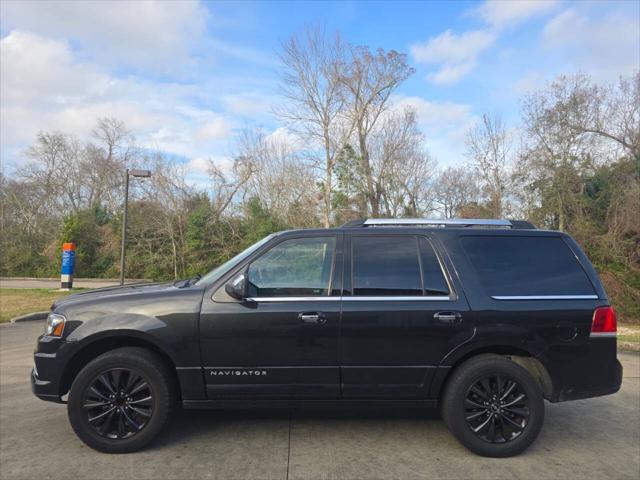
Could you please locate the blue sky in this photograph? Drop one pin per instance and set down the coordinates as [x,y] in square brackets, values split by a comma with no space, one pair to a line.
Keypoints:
[186,77]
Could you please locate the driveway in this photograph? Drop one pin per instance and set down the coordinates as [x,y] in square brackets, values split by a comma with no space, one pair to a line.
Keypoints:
[597,438]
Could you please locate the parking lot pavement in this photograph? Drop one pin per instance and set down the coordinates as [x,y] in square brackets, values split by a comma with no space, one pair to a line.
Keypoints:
[597,438]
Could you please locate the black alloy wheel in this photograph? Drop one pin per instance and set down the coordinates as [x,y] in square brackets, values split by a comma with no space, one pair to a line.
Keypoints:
[493,405]
[118,403]
[496,409]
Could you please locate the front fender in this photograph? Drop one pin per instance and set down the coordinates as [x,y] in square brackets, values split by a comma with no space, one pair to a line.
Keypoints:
[178,339]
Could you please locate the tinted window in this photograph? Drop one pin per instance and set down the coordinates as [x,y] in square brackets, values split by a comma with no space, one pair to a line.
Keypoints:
[296,267]
[385,266]
[527,266]
[434,281]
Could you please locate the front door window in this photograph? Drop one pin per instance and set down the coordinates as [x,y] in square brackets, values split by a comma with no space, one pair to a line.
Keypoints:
[300,267]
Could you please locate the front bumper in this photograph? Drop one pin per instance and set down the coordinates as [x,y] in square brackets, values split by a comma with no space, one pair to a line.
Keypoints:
[50,359]
[43,389]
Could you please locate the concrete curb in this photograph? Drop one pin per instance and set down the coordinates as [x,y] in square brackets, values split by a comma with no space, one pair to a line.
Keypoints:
[30,317]
[629,347]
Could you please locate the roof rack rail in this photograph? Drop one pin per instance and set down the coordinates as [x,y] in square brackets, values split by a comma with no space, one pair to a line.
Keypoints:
[354,223]
[439,222]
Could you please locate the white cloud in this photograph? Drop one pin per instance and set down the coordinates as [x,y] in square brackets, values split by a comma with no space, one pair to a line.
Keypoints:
[445,125]
[216,129]
[456,54]
[250,104]
[605,46]
[283,136]
[155,35]
[503,14]
[43,87]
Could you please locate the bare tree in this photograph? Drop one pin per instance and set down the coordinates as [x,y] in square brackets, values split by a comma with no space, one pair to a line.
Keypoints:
[455,188]
[613,112]
[368,80]
[277,175]
[488,149]
[310,85]
[401,167]
[556,147]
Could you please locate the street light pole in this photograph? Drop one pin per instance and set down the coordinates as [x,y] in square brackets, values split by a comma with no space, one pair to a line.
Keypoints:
[139,174]
[124,226]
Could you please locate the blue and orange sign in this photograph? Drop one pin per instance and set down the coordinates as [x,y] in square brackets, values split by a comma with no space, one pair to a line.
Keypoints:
[68,265]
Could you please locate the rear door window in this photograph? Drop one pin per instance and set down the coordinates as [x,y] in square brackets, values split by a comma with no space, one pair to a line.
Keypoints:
[386,266]
[434,281]
[526,266]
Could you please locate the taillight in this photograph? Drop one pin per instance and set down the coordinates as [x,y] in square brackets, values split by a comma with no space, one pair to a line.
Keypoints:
[604,322]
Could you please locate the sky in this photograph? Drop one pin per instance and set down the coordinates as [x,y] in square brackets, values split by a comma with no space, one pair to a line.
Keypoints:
[187,77]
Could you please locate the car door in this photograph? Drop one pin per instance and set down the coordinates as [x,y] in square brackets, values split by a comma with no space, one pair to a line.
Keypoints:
[282,340]
[402,314]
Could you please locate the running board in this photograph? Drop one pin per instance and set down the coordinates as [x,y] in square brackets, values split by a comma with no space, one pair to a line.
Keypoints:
[302,402]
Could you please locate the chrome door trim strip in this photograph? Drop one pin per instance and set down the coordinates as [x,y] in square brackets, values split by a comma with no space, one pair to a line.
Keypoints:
[293,299]
[392,298]
[544,297]
[349,299]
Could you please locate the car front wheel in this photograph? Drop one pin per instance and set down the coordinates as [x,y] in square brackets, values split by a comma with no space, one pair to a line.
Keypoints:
[120,401]
[493,406]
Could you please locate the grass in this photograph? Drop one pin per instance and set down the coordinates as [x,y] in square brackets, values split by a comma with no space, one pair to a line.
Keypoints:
[19,301]
[629,333]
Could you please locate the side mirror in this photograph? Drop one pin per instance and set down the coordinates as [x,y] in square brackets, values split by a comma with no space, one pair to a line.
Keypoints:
[237,287]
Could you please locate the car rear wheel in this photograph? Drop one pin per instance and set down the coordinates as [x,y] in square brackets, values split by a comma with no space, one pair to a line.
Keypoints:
[120,401]
[493,406]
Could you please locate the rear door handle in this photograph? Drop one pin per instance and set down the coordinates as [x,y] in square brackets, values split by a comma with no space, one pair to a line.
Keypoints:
[451,318]
[317,318]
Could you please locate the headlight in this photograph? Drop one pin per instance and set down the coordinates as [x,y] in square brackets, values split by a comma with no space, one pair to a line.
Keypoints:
[55,325]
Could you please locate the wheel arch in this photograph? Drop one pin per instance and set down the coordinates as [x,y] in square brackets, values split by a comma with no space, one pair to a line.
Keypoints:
[516,354]
[99,344]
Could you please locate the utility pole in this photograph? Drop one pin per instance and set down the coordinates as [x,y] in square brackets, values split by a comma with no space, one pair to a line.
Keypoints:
[134,173]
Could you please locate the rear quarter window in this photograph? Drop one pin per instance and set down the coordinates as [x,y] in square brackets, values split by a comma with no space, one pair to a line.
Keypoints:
[526,266]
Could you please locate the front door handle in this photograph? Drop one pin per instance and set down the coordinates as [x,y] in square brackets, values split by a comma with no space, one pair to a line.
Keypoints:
[450,318]
[317,318]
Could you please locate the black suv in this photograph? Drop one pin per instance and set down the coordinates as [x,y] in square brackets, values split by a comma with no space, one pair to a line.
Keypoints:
[485,318]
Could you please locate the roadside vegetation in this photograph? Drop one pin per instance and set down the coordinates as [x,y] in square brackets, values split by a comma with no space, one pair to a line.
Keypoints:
[353,148]
[20,301]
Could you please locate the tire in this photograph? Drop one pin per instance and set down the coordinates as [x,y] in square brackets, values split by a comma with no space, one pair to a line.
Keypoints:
[464,407]
[147,404]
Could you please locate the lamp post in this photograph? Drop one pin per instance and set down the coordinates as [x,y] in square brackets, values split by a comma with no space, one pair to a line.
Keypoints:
[138,174]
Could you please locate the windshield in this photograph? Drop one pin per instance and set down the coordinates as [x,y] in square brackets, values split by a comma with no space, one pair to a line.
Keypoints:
[229,264]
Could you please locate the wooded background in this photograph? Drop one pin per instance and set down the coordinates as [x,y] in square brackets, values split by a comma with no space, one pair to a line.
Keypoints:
[571,163]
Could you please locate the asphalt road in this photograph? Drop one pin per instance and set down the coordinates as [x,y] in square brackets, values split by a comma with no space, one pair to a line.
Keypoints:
[597,438]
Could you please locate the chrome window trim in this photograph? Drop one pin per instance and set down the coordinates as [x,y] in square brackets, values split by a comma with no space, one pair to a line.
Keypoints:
[544,297]
[409,298]
[294,299]
[349,299]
